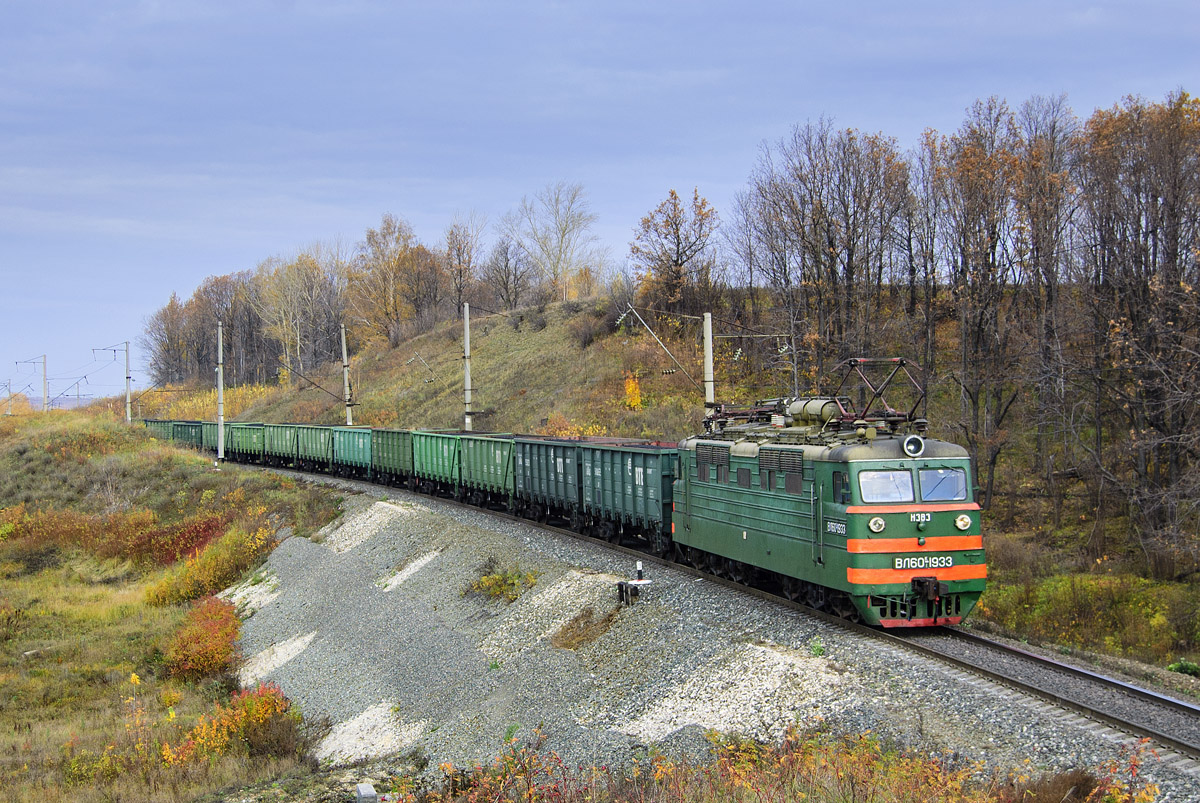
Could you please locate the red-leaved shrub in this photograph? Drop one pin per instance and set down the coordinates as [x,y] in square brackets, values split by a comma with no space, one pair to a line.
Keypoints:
[166,544]
[204,644]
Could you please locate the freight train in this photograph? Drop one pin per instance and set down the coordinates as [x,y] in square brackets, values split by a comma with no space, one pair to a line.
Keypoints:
[856,514]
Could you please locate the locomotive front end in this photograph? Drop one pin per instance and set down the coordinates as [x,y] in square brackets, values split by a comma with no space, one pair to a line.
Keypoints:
[914,549]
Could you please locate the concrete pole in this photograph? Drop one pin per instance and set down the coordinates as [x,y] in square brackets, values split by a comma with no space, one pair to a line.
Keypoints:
[45,388]
[220,395]
[8,387]
[710,396]
[128,388]
[346,380]
[467,367]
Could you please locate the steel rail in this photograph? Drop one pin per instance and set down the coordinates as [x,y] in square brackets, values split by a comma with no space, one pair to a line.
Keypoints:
[1149,695]
[1185,748]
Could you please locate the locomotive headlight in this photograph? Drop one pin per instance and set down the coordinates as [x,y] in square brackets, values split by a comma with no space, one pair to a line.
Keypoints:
[876,524]
[962,522]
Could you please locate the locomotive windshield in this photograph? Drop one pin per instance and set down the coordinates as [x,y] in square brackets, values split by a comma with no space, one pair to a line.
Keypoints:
[886,486]
[896,485]
[943,484]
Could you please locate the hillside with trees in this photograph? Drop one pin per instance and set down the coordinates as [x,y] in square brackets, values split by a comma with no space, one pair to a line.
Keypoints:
[1040,269]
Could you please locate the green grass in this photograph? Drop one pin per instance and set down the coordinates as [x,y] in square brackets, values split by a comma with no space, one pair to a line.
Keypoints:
[502,582]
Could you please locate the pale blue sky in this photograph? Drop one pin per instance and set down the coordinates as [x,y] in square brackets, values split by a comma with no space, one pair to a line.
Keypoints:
[146,145]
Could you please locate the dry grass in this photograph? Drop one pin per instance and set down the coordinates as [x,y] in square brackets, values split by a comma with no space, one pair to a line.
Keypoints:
[529,368]
[192,404]
[94,509]
[815,767]
[584,628]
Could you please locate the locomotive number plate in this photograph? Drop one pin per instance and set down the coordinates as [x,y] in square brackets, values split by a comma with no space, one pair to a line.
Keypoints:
[925,562]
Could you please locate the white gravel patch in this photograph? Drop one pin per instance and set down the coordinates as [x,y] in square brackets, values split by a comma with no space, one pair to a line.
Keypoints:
[267,661]
[408,571]
[540,612]
[253,593]
[372,734]
[755,690]
[361,525]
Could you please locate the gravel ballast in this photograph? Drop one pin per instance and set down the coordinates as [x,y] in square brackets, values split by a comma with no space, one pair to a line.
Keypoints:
[370,624]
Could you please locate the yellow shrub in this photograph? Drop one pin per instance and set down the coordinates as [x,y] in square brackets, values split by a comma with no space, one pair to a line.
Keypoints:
[201,405]
[219,566]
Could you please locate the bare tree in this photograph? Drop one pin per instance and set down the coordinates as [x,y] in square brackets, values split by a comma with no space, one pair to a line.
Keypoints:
[508,273]
[554,229]
[823,222]
[770,247]
[987,278]
[920,231]
[464,251]
[426,282]
[1139,174]
[1044,202]
[165,340]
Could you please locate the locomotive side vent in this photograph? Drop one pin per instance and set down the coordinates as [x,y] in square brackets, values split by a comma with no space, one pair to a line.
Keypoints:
[717,455]
[787,460]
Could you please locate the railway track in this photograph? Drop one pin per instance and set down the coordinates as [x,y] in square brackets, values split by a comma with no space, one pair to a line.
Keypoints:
[1171,723]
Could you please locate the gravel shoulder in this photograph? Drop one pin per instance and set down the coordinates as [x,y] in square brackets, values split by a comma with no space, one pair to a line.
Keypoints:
[370,624]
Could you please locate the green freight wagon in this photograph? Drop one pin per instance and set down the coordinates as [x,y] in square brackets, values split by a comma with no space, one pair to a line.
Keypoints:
[280,444]
[391,455]
[245,442]
[436,461]
[487,468]
[314,447]
[208,436]
[627,492]
[547,478]
[352,451]
[189,433]
[159,429]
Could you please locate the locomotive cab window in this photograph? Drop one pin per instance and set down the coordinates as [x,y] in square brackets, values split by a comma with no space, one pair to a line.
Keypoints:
[841,488]
[886,486]
[943,484]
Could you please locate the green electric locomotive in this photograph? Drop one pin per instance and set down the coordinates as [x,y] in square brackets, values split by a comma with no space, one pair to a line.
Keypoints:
[857,514]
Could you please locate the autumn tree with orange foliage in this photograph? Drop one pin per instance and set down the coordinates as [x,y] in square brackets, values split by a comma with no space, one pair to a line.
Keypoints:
[673,247]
